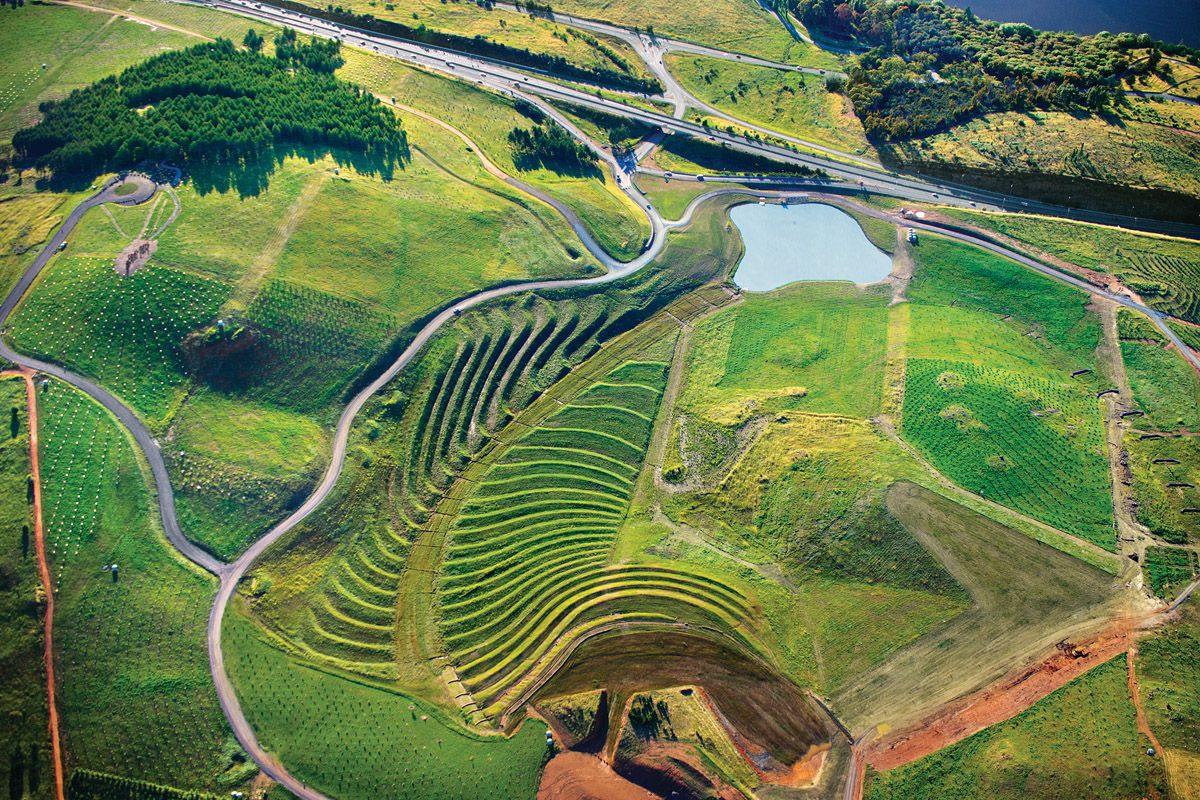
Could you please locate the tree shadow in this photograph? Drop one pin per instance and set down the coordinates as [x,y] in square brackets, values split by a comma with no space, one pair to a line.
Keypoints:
[250,175]
[527,162]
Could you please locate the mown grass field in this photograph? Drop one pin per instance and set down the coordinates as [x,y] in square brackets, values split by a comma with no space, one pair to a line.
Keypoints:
[1028,444]
[618,225]
[672,198]
[1080,741]
[1161,267]
[811,346]
[132,666]
[740,26]
[353,740]
[25,727]
[793,103]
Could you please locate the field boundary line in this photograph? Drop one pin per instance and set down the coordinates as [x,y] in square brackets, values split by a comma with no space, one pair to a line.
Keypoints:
[39,538]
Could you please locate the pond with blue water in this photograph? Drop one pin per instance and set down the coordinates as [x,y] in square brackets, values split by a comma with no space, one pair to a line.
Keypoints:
[803,242]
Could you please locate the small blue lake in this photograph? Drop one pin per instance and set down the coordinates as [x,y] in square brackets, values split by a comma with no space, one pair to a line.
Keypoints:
[804,242]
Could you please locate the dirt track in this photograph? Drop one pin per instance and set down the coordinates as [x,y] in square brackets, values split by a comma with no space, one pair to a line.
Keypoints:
[998,702]
[44,570]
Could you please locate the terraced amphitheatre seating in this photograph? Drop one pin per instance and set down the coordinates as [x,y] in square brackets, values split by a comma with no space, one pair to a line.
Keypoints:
[471,385]
[489,370]
[526,567]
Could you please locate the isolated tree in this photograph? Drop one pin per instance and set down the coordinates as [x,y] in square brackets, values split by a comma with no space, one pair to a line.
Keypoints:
[253,41]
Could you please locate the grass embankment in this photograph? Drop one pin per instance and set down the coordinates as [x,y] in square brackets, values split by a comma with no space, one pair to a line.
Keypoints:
[739,26]
[332,588]
[1165,469]
[1118,165]
[1051,750]
[1165,271]
[1168,673]
[401,747]
[536,34]
[25,728]
[988,390]
[672,198]
[526,562]
[618,225]
[794,103]
[133,668]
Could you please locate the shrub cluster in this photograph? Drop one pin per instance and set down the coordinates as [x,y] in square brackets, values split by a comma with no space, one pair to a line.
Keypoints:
[550,146]
[932,66]
[211,102]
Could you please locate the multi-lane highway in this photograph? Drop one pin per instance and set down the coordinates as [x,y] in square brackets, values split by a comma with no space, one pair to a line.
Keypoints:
[514,82]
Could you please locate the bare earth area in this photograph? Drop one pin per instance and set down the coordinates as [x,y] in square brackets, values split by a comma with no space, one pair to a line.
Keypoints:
[582,776]
[1000,701]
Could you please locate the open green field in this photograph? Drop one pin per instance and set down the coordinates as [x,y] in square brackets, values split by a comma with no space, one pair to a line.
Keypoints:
[1161,268]
[357,741]
[24,728]
[77,46]
[816,347]
[1080,741]
[1029,444]
[988,392]
[1166,474]
[794,103]
[1168,671]
[133,669]
[740,26]
[618,225]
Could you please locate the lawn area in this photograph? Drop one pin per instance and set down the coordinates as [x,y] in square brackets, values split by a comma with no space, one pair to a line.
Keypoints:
[793,103]
[672,198]
[1165,270]
[1080,741]
[77,47]
[132,665]
[357,741]
[811,346]
[618,225]
[24,727]
[739,26]
[1164,385]
[1168,671]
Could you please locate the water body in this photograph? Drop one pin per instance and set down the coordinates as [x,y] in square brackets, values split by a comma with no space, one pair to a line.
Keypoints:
[805,242]
[1173,21]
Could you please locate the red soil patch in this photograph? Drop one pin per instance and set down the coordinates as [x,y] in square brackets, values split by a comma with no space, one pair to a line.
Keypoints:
[999,702]
[580,776]
[807,771]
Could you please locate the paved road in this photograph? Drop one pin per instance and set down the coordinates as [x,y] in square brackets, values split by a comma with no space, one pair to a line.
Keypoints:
[107,194]
[506,79]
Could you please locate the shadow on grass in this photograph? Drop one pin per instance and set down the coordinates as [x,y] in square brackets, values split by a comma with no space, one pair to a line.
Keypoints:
[250,175]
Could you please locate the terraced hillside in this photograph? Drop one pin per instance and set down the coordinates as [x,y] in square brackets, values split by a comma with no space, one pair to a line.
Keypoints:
[526,570]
